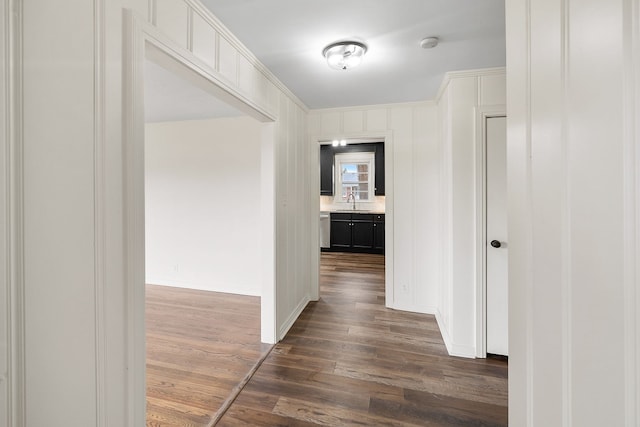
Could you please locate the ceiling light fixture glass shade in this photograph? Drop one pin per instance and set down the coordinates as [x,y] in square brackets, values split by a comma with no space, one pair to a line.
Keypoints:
[344,55]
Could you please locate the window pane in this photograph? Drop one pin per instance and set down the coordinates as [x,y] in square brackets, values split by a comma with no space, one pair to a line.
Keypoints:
[359,192]
[355,172]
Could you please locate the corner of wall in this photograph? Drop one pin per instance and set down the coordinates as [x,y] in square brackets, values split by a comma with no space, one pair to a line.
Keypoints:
[473,88]
[444,331]
[287,324]
[452,348]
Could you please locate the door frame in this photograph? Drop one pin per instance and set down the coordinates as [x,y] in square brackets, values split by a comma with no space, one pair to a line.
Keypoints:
[314,190]
[143,41]
[482,114]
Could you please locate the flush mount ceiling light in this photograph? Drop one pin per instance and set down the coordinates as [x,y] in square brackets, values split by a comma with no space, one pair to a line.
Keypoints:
[344,55]
[429,42]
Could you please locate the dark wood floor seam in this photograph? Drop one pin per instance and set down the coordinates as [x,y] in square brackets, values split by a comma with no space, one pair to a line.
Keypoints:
[237,389]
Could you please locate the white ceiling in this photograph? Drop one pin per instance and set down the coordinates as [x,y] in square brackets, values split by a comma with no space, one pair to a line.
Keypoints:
[288,36]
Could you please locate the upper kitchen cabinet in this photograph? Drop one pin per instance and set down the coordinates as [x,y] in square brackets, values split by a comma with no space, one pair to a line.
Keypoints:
[327,161]
[379,170]
[326,170]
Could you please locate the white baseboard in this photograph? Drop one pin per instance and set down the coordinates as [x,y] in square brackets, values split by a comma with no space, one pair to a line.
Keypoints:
[415,309]
[452,348]
[214,287]
[463,351]
[282,331]
[443,331]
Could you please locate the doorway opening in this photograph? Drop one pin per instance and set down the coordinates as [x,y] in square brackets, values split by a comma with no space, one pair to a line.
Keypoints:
[191,168]
[355,207]
[202,185]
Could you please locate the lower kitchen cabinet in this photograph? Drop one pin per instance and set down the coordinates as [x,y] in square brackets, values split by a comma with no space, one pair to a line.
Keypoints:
[340,232]
[357,232]
[378,232]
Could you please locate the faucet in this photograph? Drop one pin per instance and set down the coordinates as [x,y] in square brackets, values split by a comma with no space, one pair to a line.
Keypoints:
[352,196]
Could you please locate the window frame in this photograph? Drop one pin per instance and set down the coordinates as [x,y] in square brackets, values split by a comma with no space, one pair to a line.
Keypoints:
[366,157]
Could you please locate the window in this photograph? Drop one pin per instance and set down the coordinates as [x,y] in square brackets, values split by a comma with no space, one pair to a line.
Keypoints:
[354,177]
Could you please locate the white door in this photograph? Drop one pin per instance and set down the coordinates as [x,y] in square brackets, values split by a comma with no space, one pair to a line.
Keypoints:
[496,233]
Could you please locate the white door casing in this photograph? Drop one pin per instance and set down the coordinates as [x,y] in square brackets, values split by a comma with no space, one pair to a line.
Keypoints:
[496,237]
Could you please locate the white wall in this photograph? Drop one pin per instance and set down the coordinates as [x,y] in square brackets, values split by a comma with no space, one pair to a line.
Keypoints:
[461,94]
[411,190]
[81,363]
[59,214]
[293,207]
[202,204]
[574,298]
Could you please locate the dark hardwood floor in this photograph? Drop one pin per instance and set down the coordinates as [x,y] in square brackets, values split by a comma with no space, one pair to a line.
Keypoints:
[349,361]
[200,346]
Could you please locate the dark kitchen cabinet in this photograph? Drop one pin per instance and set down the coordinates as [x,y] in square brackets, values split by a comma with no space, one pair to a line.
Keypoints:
[340,231]
[378,232]
[327,160]
[379,172]
[361,231]
[357,232]
[326,170]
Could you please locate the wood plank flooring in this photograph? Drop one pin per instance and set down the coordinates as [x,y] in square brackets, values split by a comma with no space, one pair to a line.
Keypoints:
[200,345]
[349,361]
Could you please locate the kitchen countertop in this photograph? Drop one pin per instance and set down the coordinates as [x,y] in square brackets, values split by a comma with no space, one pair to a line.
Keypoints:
[358,211]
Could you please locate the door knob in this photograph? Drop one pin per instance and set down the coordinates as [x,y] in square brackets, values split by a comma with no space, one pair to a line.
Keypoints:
[495,243]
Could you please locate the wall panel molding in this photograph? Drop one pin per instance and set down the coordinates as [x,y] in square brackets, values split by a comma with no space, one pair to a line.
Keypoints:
[574,212]
[565,279]
[367,108]
[165,51]
[477,73]
[518,29]
[133,165]
[99,180]
[12,204]
[631,30]
[5,108]
[242,50]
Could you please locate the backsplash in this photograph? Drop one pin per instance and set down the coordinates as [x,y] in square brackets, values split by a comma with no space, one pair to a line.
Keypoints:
[327,204]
